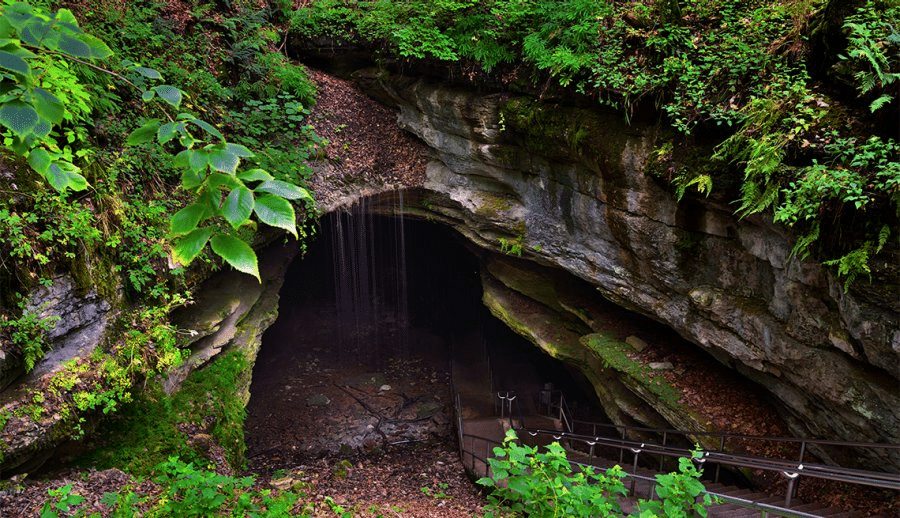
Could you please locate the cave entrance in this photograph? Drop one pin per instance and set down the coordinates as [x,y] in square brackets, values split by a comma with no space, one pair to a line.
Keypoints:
[370,320]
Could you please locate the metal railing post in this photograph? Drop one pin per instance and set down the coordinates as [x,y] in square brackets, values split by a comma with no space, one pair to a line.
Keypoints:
[792,479]
[661,456]
[636,451]
[719,464]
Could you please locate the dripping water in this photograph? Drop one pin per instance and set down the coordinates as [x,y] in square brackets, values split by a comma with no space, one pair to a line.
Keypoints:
[370,282]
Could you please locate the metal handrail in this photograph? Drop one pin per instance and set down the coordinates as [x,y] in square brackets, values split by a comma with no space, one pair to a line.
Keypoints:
[788,469]
[565,415]
[723,436]
[764,508]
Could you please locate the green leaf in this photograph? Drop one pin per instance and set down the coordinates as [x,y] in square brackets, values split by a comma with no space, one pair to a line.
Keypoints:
[10,61]
[197,159]
[97,49]
[48,106]
[223,181]
[39,160]
[145,133]
[238,150]
[484,481]
[207,127]
[41,129]
[19,117]
[148,95]
[186,220]
[238,206]
[170,94]
[255,175]
[66,17]
[236,253]
[62,176]
[284,189]
[74,46]
[221,159]
[18,15]
[37,32]
[181,160]
[77,182]
[191,179]
[147,72]
[189,247]
[519,485]
[276,212]
[877,104]
[166,132]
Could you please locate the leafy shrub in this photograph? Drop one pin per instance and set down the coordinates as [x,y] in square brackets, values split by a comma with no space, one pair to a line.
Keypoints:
[730,63]
[186,491]
[873,49]
[678,493]
[193,492]
[526,482]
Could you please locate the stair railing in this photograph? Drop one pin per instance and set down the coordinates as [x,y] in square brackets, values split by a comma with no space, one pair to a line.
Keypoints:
[556,408]
[615,436]
[789,469]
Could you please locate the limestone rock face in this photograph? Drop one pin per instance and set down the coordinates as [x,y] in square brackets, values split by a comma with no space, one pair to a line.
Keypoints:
[570,187]
[80,322]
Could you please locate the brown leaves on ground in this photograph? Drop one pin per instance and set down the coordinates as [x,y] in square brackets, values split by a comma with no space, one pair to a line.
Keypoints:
[366,150]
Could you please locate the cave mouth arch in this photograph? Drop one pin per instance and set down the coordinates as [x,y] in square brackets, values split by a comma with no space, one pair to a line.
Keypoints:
[370,322]
[390,299]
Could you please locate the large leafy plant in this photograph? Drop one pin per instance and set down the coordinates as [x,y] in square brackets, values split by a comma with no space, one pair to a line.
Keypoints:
[38,92]
[211,173]
[42,101]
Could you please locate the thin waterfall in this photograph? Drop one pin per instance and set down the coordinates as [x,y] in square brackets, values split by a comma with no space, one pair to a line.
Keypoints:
[370,282]
[402,298]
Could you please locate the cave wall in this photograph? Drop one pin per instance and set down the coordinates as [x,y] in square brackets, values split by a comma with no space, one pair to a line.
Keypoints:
[231,312]
[571,187]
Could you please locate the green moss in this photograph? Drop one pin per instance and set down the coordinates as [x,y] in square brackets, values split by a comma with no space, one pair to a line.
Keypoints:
[615,355]
[562,132]
[492,205]
[34,411]
[206,401]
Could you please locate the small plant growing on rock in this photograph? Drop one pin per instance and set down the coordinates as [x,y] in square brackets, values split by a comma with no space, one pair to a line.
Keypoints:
[29,333]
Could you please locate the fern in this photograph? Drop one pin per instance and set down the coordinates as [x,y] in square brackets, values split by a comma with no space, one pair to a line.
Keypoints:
[873,49]
[803,247]
[703,183]
[877,104]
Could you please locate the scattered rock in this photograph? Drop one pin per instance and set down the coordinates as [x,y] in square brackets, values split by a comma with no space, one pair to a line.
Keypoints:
[318,400]
[636,343]
[428,409]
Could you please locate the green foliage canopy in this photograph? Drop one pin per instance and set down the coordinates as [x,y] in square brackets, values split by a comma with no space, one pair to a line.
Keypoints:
[38,94]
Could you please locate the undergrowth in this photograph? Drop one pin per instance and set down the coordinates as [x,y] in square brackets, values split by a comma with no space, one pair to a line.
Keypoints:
[113,236]
[528,481]
[206,404]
